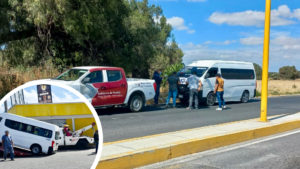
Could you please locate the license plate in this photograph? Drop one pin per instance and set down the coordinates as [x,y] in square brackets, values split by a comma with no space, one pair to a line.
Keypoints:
[180,96]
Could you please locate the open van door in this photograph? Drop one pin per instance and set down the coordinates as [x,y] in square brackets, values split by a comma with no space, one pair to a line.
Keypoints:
[209,85]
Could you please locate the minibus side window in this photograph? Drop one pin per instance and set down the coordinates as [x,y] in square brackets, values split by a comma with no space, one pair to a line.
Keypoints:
[28,128]
[242,74]
[12,124]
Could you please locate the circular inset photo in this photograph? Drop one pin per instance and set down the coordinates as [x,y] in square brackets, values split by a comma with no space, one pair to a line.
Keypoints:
[49,125]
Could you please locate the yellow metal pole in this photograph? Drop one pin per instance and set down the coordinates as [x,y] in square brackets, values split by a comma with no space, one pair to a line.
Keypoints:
[264,88]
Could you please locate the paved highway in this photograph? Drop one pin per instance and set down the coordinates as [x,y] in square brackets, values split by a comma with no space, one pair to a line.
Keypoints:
[65,159]
[275,152]
[119,124]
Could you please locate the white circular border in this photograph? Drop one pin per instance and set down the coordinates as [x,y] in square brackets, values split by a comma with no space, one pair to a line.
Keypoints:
[78,94]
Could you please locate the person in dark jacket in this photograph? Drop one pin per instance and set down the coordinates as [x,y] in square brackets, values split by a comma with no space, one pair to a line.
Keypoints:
[173,81]
[96,140]
[157,77]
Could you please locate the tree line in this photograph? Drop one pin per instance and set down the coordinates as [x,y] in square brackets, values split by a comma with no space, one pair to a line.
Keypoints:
[127,33]
[284,73]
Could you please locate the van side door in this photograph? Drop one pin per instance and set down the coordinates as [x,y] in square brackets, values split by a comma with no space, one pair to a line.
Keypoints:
[209,80]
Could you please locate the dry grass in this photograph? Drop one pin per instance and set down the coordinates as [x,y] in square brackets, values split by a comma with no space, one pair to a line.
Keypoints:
[281,87]
[11,78]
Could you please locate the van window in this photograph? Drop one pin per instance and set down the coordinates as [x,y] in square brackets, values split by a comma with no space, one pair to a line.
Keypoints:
[242,74]
[95,77]
[114,75]
[0,119]
[28,128]
[212,72]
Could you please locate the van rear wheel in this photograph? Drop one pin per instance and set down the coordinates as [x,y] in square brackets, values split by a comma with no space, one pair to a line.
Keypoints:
[245,97]
[36,149]
[210,99]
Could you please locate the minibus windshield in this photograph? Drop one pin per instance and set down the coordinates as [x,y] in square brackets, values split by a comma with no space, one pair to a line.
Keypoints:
[187,71]
[71,75]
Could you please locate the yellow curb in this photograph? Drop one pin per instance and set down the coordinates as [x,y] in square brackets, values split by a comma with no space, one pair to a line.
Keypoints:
[155,155]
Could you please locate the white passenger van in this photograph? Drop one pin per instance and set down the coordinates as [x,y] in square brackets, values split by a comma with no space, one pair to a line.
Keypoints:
[239,80]
[30,134]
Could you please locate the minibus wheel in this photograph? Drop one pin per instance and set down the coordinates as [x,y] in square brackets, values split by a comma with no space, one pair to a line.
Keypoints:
[35,149]
[245,97]
[210,99]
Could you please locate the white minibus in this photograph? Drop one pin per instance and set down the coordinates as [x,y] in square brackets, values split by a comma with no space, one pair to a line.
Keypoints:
[239,80]
[30,134]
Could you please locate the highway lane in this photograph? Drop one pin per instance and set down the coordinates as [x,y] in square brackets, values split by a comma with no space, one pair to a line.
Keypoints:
[64,159]
[119,124]
[280,151]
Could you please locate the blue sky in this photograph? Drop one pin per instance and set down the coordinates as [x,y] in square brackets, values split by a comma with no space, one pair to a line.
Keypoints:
[59,95]
[233,29]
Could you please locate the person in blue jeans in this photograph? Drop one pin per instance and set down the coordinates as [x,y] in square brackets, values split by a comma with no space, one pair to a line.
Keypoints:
[173,81]
[8,145]
[157,78]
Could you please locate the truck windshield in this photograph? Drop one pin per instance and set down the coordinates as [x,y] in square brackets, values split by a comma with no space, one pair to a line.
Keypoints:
[187,71]
[57,135]
[71,75]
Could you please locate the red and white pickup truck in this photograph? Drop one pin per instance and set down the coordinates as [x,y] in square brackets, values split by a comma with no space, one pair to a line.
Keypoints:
[108,86]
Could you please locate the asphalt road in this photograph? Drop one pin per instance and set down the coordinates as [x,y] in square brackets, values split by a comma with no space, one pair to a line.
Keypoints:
[275,152]
[119,124]
[66,159]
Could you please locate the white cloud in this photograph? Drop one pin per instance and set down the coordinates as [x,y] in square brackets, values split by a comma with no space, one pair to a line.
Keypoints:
[2,108]
[279,17]
[178,24]
[30,96]
[66,98]
[284,50]
[226,42]
[251,40]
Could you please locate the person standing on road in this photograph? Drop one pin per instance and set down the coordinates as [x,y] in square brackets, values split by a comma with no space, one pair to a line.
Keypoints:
[157,77]
[219,90]
[173,81]
[96,140]
[8,145]
[194,85]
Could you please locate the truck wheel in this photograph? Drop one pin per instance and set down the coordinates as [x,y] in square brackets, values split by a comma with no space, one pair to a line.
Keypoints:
[245,97]
[210,99]
[82,144]
[136,103]
[36,149]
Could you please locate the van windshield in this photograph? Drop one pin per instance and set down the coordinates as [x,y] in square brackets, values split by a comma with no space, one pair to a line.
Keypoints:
[71,75]
[187,71]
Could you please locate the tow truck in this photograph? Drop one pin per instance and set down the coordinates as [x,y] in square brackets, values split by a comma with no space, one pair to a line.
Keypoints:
[77,139]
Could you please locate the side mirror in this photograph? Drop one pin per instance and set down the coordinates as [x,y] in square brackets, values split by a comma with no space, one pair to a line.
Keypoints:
[86,80]
[207,75]
[59,138]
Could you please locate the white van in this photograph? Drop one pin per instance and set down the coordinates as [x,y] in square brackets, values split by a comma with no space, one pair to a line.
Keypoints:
[239,80]
[29,134]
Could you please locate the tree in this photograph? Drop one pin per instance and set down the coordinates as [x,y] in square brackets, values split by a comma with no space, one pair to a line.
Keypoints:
[74,32]
[258,71]
[288,72]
